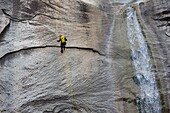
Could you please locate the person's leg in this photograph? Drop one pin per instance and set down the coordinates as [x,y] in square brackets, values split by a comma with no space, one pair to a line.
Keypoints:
[64,45]
[61,48]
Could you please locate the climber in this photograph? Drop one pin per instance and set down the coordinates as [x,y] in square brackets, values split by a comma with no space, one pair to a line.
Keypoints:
[63,40]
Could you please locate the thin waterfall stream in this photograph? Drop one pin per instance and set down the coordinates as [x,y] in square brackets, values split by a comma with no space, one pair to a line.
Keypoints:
[148,100]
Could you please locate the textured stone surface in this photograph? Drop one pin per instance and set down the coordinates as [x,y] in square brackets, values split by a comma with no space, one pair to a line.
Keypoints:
[95,73]
[155,23]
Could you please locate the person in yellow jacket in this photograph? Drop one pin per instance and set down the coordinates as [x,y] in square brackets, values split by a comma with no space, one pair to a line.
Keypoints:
[63,40]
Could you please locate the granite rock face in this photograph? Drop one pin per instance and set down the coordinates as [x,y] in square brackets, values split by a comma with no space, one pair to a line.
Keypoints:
[155,22]
[94,74]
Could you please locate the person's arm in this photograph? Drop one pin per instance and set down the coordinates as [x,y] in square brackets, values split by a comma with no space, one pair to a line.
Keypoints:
[58,40]
[65,39]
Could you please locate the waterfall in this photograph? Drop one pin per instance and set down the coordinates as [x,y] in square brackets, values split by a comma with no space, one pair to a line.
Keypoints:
[148,100]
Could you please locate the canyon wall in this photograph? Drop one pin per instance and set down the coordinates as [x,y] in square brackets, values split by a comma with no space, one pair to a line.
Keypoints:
[95,74]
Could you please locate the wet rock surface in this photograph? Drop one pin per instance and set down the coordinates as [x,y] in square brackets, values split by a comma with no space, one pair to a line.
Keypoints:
[95,73]
[155,23]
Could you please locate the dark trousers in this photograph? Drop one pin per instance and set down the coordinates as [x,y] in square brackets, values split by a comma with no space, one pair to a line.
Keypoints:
[63,45]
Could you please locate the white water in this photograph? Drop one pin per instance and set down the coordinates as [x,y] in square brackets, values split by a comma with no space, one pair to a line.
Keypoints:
[149,100]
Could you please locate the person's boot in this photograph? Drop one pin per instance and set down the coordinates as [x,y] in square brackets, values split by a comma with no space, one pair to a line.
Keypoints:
[62,51]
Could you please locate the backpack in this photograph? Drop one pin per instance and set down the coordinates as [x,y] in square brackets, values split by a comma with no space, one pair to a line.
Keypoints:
[62,39]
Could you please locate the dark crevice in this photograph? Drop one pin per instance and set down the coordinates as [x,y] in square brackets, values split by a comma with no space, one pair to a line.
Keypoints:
[17,19]
[25,19]
[51,3]
[167,34]
[162,19]
[52,7]
[4,31]
[162,16]
[163,12]
[46,46]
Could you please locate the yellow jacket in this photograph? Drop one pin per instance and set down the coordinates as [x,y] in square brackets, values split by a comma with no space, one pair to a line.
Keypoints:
[62,39]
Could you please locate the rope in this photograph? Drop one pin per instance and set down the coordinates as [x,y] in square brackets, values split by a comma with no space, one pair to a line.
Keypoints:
[61,20]
[67,67]
[69,82]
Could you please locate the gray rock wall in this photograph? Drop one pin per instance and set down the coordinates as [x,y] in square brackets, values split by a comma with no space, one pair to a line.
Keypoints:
[155,15]
[93,75]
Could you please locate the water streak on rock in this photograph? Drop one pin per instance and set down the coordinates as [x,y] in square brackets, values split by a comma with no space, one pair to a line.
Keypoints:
[149,99]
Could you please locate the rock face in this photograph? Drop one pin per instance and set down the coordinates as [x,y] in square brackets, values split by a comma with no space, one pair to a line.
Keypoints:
[155,15]
[95,73]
